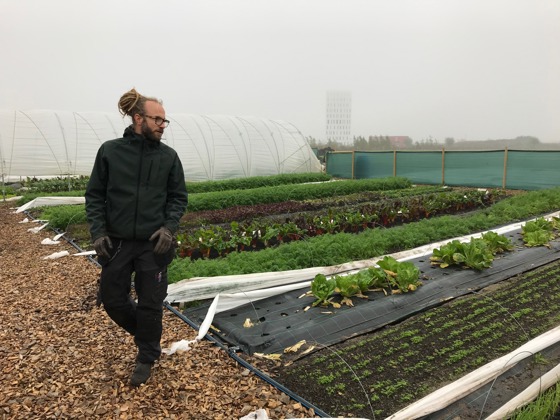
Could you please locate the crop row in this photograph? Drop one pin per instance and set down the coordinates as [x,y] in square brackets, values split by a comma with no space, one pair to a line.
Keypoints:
[216,200]
[61,184]
[326,250]
[282,208]
[213,241]
[297,192]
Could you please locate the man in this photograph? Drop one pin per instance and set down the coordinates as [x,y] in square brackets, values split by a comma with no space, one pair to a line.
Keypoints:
[135,198]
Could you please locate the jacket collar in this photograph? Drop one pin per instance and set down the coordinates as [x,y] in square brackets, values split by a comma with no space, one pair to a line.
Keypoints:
[131,135]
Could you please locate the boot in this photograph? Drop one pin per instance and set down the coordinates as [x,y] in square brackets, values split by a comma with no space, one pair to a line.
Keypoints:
[141,374]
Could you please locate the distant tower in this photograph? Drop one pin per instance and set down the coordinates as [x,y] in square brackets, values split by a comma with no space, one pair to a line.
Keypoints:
[339,116]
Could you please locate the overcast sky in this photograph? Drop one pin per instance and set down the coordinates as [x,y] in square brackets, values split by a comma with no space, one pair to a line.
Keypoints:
[467,69]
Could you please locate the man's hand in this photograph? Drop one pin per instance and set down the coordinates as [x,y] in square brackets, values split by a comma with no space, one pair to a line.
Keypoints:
[164,240]
[102,246]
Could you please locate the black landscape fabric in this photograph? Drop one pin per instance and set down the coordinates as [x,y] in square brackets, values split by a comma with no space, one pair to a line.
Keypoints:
[280,321]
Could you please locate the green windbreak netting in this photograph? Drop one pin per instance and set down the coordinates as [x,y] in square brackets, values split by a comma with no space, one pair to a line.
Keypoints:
[533,170]
[340,164]
[525,170]
[474,169]
[420,167]
[373,164]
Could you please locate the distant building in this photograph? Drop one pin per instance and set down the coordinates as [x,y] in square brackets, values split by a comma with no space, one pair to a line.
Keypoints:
[339,116]
[400,142]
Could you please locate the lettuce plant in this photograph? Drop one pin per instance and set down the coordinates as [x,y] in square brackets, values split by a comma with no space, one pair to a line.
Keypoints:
[475,255]
[322,288]
[347,286]
[539,232]
[444,256]
[403,276]
[497,243]
[538,238]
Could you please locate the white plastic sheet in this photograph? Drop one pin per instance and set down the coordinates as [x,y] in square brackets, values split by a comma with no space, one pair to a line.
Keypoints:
[49,241]
[56,255]
[50,201]
[37,229]
[86,253]
[184,345]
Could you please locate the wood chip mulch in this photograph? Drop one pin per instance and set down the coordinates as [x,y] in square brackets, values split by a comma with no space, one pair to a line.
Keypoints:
[62,357]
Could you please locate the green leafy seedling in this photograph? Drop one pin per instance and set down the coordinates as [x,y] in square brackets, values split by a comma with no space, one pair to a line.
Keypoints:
[476,255]
[322,289]
[444,256]
[497,243]
[378,277]
[538,232]
[348,287]
[403,276]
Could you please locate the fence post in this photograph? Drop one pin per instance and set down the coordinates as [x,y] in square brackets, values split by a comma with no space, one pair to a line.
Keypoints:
[3,189]
[505,169]
[394,163]
[353,162]
[443,166]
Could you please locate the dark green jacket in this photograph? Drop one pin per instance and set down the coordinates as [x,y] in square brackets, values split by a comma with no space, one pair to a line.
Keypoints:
[136,187]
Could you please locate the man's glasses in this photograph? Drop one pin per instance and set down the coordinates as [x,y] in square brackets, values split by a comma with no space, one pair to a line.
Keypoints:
[160,122]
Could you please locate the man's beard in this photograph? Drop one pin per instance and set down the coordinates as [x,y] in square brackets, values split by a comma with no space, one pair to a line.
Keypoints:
[149,134]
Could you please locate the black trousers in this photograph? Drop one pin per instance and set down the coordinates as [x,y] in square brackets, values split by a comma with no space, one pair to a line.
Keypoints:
[143,319]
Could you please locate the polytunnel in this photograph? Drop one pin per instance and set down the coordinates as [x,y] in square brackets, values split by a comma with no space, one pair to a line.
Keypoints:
[46,143]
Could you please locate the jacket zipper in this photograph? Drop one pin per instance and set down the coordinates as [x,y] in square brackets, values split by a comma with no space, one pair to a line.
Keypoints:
[139,177]
[149,173]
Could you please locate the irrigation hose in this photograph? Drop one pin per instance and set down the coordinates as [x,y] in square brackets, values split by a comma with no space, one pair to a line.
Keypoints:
[230,351]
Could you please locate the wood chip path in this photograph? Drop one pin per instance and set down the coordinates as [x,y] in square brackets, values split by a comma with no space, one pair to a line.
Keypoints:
[62,357]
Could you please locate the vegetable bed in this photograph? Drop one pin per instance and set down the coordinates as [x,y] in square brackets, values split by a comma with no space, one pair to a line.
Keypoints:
[380,373]
[305,313]
[376,374]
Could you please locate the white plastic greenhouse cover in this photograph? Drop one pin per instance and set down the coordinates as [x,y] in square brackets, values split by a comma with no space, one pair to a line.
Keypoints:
[46,143]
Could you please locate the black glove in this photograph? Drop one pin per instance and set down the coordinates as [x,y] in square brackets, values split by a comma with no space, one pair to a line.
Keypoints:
[102,246]
[164,240]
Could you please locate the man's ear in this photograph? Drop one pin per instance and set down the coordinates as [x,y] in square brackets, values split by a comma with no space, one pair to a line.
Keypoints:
[138,119]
